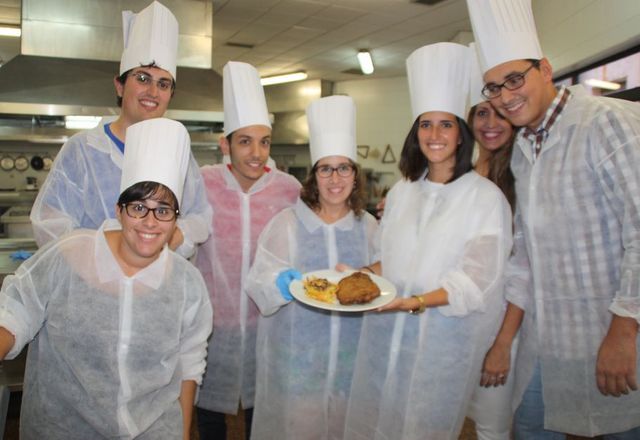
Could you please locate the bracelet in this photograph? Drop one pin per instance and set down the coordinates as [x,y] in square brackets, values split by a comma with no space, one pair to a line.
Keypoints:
[422,307]
[369,269]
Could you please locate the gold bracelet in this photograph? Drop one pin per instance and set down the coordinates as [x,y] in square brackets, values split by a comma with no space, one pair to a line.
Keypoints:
[422,307]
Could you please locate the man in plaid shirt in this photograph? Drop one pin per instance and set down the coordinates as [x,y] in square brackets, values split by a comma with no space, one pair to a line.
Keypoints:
[574,277]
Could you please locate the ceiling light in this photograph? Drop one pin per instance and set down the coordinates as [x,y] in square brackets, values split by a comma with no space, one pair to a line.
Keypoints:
[366,63]
[592,82]
[279,79]
[10,31]
[81,122]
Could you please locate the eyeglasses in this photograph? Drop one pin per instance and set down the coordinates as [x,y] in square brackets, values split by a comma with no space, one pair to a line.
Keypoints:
[343,170]
[145,79]
[514,82]
[161,213]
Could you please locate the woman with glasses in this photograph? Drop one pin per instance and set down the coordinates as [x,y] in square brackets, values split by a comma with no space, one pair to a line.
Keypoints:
[305,354]
[117,323]
[444,239]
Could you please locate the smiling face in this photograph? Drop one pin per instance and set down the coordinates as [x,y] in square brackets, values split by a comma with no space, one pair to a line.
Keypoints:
[438,137]
[335,190]
[527,105]
[143,238]
[143,101]
[249,151]
[490,129]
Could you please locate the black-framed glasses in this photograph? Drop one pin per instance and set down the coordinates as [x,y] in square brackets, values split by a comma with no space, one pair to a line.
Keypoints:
[145,79]
[343,170]
[161,213]
[514,82]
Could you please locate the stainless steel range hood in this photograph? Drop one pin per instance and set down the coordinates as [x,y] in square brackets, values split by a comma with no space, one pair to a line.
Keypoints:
[69,56]
[70,53]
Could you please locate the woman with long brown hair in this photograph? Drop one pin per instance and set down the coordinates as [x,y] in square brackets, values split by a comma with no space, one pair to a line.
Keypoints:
[305,354]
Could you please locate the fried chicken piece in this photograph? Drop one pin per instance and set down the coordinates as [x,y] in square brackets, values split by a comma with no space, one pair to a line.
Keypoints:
[357,288]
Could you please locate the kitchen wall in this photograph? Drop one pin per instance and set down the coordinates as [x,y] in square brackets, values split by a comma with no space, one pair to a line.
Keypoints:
[383,116]
[15,179]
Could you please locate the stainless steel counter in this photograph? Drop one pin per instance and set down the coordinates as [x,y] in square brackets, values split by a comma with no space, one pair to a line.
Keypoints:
[10,245]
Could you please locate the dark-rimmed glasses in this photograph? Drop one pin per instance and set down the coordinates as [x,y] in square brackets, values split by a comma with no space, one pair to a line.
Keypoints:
[343,170]
[145,79]
[161,213]
[514,82]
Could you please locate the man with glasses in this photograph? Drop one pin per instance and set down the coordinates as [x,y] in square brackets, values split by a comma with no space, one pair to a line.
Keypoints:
[82,187]
[575,269]
[246,193]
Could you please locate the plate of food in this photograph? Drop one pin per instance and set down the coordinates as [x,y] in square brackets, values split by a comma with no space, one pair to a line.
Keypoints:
[349,291]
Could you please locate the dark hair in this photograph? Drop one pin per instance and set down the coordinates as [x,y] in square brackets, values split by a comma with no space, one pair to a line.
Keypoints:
[123,79]
[500,164]
[148,190]
[357,200]
[535,62]
[413,162]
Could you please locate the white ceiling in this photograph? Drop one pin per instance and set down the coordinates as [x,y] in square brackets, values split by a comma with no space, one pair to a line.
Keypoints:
[322,37]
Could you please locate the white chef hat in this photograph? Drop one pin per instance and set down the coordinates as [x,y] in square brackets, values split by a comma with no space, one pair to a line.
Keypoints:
[156,150]
[243,97]
[332,128]
[439,79]
[150,36]
[476,83]
[504,31]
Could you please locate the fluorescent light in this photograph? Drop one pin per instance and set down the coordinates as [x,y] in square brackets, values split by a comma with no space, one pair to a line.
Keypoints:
[279,79]
[9,31]
[366,63]
[592,82]
[81,122]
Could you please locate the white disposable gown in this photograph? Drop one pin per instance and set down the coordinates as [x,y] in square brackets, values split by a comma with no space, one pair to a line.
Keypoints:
[415,373]
[305,355]
[224,261]
[108,353]
[83,187]
[577,258]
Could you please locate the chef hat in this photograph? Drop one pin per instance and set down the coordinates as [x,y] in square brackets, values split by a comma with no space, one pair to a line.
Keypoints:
[156,150]
[504,31]
[150,37]
[476,82]
[243,97]
[332,128]
[439,78]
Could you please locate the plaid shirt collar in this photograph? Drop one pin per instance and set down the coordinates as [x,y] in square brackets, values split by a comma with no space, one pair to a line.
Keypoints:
[538,136]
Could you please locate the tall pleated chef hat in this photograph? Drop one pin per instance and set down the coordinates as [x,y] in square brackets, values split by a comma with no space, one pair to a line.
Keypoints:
[157,150]
[438,77]
[243,97]
[332,128]
[504,31]
[475,77]
[150,37]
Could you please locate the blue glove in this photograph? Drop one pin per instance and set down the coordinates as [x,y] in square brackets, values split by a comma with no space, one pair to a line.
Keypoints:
[20,255]
[284,279]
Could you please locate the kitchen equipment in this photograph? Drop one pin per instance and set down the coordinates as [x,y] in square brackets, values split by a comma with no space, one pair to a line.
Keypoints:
[32,183]
[46,163]
[21,163]
[37,163]
[7,163]
[17,223]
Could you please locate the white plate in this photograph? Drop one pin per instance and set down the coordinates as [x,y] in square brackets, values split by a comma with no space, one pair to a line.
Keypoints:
[387,292]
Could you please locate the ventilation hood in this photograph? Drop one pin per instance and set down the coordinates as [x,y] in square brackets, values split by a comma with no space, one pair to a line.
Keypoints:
[70,52]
